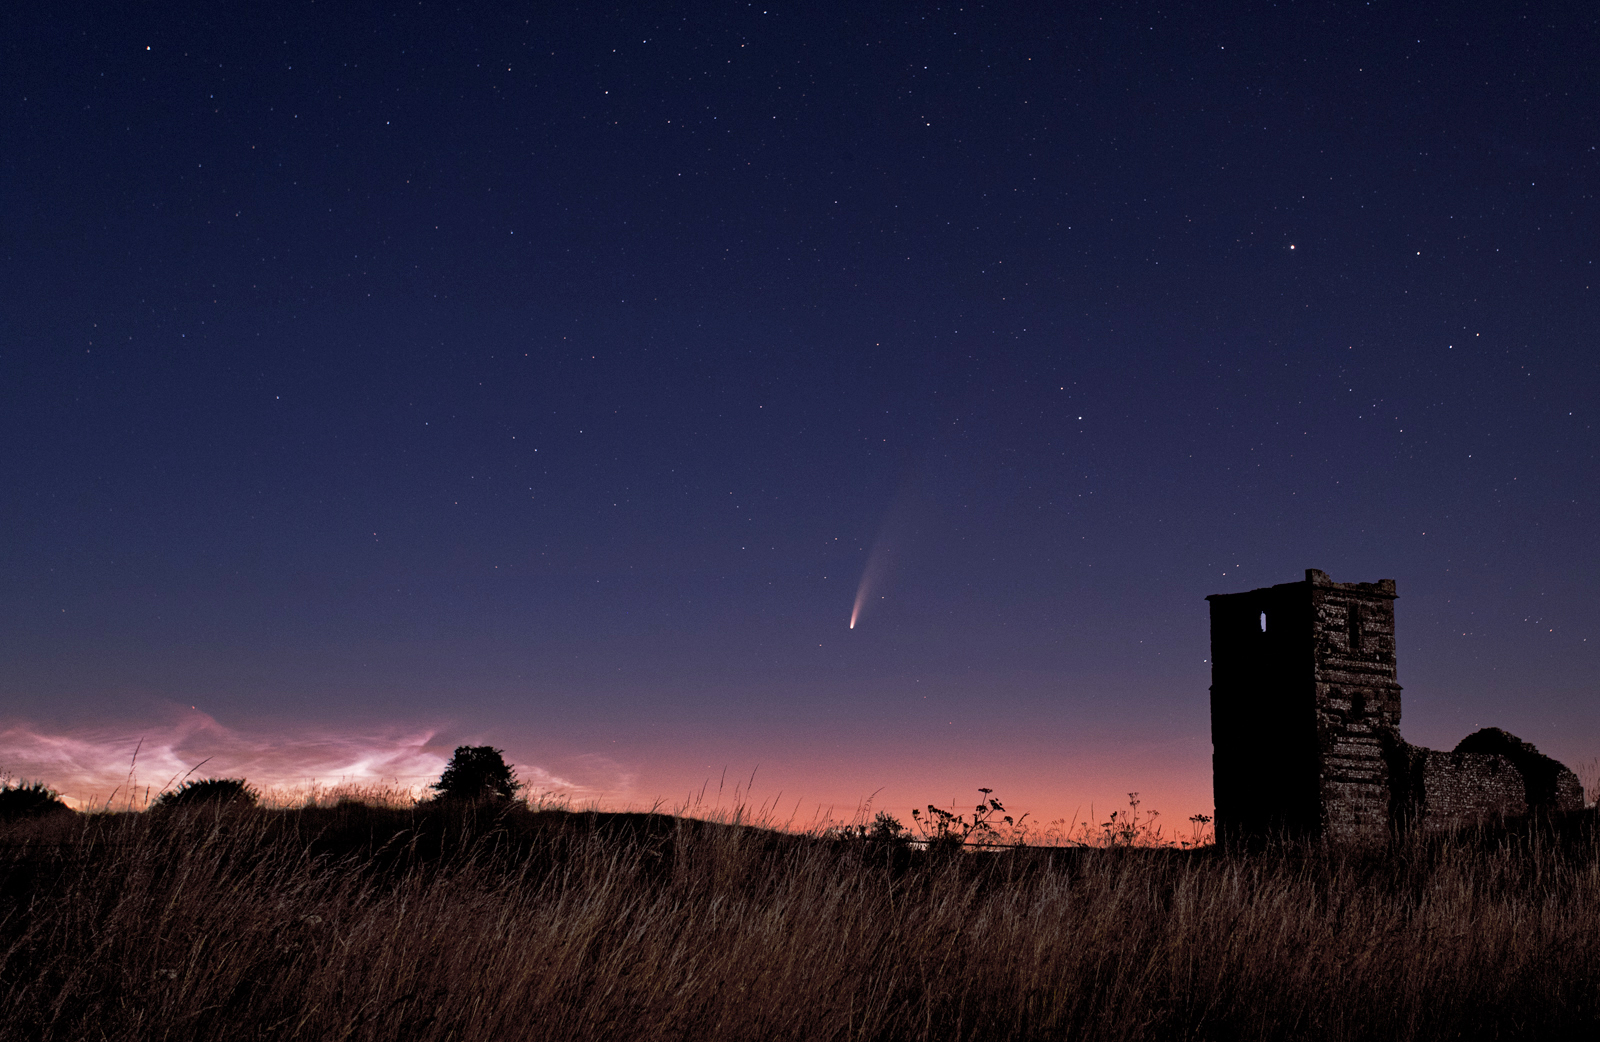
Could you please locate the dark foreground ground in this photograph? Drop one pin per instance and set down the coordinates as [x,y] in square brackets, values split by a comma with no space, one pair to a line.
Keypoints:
[357,922]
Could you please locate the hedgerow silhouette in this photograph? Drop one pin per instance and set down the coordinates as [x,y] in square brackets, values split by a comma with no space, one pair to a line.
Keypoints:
[211,791]
[30,800]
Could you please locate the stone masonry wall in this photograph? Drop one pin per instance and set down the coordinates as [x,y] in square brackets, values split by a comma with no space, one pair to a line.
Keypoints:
[1357,699]
[1453,789]
[1549,785]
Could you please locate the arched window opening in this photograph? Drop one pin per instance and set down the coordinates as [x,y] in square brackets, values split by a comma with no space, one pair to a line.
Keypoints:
[1263,622]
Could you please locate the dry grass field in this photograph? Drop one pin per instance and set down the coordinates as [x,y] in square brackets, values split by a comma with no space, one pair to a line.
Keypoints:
[475,923]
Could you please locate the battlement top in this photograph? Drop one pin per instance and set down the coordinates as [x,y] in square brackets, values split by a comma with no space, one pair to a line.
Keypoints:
[1318,578]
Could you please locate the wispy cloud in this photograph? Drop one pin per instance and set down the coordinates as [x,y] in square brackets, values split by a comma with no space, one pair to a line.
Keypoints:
[130,763]
[87,764]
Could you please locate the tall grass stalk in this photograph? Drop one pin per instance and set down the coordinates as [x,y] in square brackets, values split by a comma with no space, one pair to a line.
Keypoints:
[351,921]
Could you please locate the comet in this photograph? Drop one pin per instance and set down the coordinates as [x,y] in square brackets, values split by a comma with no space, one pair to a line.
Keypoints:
[873,575]
[896,536]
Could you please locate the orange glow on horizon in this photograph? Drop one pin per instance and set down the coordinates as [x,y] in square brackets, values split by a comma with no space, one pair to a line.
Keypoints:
[801,785]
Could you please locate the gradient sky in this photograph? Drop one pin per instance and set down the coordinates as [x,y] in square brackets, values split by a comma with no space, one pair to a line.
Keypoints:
[378,378]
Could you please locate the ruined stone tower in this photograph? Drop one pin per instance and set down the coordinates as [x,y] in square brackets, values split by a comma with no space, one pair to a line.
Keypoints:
[1305,727]
[1303,689]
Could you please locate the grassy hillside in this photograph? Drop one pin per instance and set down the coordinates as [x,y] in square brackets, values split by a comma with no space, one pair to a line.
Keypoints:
[357,922]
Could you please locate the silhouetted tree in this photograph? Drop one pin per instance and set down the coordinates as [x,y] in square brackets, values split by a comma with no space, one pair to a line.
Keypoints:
[477,772]
[33,800]
[210,790]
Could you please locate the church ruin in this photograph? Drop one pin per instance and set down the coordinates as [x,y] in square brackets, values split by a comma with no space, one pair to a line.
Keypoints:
[1305,727]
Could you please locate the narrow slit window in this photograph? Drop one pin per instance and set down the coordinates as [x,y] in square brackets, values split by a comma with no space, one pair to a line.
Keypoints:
[1263,621]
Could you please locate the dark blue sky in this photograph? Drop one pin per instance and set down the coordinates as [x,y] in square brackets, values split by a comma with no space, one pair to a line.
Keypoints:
[548,377]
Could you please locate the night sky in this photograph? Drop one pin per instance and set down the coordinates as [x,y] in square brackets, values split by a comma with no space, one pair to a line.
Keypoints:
[380,378]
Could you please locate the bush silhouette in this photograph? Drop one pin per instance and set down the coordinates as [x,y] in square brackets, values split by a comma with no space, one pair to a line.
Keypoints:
[477,772]
[33,800]
[208,791]
[886,828]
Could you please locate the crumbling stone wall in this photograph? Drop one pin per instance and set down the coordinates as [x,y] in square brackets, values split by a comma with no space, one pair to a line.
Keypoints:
[1550,785]
[1305,727]
[1438,790]
[1490,774]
